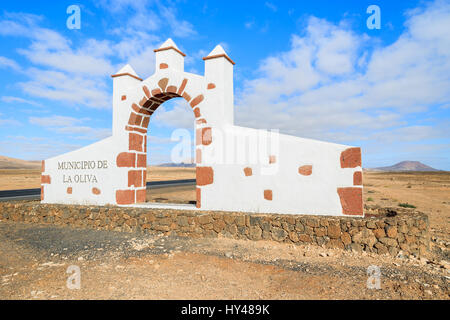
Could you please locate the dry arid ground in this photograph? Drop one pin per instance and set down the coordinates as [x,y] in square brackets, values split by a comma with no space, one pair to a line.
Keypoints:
[115,265]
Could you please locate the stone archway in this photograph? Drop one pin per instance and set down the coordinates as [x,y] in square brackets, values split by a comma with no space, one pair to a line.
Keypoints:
[154,95]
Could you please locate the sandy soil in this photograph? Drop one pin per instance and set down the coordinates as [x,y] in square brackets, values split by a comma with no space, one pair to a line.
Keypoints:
[34,260]
[428,192]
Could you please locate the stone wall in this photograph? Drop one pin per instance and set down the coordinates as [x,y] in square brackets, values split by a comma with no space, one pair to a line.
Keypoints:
[382,231]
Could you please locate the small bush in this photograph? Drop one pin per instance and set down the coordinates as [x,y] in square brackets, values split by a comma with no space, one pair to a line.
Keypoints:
[369,199]
[406,205]
[370,191]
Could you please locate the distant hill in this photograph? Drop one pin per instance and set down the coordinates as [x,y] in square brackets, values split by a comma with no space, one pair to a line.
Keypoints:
[181,165]
[12,163]
[406,166]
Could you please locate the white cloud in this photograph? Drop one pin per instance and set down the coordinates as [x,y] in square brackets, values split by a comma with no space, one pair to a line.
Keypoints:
[180,116]
[336,85]
[271,6]
[9,63]
[71,126]
[9,99]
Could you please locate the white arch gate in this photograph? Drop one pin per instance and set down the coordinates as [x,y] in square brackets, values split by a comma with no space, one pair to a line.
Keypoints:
[238,169]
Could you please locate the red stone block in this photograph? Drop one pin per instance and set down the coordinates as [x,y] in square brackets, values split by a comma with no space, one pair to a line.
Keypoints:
[357,178]
[96,191]
[135,142]
[163,65]
[268,195]
[248,171]
[141,195]
[305,170]
[125,197]
[182,87]
[199,198]
[45,179]
[126,159]
[135,178]
[351,201]
[351,158]
[211,86]
[205,176]
[197,100]
[141,161]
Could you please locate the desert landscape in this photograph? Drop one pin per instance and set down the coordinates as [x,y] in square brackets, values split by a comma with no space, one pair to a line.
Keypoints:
[35,257]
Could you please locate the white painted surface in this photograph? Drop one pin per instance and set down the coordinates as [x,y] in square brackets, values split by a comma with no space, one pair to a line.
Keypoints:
[231,190]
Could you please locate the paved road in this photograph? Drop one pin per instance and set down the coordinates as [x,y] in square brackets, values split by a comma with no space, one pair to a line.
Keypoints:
[33,194]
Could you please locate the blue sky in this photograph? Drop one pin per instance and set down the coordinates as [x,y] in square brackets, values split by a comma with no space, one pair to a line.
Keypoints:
[309,68]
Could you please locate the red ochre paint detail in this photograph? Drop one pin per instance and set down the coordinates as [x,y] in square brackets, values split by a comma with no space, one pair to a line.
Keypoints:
[124,98]
[42,193]
[203,136]
[268,195]
[211,86]
[147,92]
[145,144]
[135,178]
[126,159]
[144,177]
[305,170]
[156,91]
[96,191]
[205,176]
[42,166]
[143,102]
[45,179]
[201,121]
[183,86]
[248,171]
[141,195]
[128,128]
[357,178]
[135,108]
[199,198]
[135,142]
[132,120]
[197,100]
[351,158]
[125,196]
[198,156]
[186,96]
[145,122]
[197,113]
[163,83]
[69,190]
[163,65]
[172,89]
[141,161]
[272,159]
[138,120]
[351,201]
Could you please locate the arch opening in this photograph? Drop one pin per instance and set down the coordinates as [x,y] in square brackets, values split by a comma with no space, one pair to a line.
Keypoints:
[137,127]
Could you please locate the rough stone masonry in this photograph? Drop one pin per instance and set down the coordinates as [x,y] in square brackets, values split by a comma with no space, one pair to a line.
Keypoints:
[407,231]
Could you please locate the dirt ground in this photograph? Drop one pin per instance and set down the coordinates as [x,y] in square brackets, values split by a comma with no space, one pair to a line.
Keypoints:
[429,192]
[34,258]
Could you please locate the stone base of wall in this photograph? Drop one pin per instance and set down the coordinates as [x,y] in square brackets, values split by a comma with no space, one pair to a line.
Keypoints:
[383,231]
